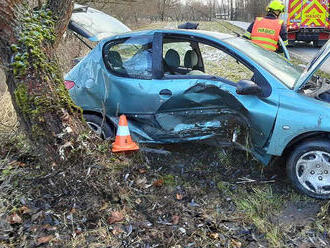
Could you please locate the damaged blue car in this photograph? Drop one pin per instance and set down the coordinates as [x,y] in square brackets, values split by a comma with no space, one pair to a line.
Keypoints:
[185,85]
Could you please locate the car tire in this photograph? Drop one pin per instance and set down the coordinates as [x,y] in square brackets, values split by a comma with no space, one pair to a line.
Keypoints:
[316,43]
[291,43]
[308,168]
[99,125]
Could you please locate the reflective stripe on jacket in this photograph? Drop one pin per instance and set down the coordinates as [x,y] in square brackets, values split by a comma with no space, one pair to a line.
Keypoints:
[265,33]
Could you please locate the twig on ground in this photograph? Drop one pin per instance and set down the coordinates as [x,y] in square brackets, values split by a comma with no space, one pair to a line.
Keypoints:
[244,180]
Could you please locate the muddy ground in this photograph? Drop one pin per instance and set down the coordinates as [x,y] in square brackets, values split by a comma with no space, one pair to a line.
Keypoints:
[194,195]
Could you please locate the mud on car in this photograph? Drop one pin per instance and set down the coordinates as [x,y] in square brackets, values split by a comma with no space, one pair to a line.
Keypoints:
[184,85]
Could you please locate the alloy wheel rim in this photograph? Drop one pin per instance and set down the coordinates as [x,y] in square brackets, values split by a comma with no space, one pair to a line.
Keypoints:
[312,171]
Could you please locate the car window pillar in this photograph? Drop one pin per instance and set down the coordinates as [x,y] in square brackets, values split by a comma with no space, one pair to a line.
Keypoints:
[157,56]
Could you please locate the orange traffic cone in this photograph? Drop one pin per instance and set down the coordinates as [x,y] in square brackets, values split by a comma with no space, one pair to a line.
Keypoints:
[123,140]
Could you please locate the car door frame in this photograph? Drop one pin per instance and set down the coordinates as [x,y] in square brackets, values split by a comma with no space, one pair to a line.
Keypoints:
[158,70]
[260,78]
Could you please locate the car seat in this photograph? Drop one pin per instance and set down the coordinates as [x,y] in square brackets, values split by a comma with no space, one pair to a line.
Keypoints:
[171,61]
[115,62]
[191,61]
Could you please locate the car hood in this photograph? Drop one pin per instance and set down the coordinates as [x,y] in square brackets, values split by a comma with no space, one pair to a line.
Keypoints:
[94,24]
[313,66]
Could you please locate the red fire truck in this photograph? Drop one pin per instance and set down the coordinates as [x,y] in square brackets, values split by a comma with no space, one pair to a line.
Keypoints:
[307,20]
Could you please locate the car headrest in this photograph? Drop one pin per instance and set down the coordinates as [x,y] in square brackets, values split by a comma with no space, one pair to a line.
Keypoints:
[115,59]
[172,58]
[190,59]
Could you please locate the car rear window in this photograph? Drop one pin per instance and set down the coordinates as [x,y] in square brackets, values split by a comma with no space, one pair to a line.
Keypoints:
[131,57]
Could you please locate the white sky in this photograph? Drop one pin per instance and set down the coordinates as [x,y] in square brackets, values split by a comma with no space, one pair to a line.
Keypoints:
[203,1]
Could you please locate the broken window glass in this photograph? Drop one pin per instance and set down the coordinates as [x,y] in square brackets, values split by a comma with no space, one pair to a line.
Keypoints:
[131,57]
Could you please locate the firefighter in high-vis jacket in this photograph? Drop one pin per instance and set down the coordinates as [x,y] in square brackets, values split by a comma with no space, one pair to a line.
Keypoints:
[265,31]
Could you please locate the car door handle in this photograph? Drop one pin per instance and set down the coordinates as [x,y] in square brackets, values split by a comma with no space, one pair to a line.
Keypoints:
[165,92]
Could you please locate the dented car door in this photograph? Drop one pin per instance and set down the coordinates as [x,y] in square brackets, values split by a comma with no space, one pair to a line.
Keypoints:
[207,106]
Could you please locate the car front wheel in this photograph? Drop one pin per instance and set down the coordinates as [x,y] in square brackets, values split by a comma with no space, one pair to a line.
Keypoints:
[308,167]
[99,125]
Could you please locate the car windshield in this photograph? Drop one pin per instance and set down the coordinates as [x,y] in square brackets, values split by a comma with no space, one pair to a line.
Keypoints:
[274,63]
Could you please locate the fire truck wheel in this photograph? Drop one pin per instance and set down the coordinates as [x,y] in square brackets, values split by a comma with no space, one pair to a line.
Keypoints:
[291,43]
[316,43]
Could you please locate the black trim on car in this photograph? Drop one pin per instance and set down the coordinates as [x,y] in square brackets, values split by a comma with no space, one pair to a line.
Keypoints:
[205,77]
[75,27]
[157,55]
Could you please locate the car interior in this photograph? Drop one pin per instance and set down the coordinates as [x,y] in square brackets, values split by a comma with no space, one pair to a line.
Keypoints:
[172,63]
[189,63]
[181,57]
[190,57]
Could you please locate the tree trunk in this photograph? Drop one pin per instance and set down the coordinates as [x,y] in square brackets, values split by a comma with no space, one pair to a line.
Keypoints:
[28,39]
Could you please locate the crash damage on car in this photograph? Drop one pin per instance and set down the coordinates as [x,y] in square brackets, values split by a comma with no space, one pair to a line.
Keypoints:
[224,125]
[166,83]
[314,82]
[203,111]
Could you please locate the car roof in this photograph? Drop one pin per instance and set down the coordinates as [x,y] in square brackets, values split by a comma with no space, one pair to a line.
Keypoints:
[199,33]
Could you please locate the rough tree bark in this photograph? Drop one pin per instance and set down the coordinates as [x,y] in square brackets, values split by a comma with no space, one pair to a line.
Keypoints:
[28,38]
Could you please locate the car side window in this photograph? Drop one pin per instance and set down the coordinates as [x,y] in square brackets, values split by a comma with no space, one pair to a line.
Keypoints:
[129,57]
[220,64]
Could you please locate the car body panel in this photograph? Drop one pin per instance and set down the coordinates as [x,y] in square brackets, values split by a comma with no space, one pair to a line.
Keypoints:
[198,107]
[298,114]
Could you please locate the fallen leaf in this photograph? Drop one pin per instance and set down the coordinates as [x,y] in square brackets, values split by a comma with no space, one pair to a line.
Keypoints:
[17,163]
[138,201]
[236,244]
[14,219]
[175,219]
[158,183]
[141,182]
[33,228]
[37,216]
[117,230]
[44,240]
[25,210]
[214,235]
[116,216]
[12,162]
[179,196]
[105,206]
[48,227]
[142,170]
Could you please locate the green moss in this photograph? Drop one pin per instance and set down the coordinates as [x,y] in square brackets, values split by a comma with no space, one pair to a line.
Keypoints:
[38,27]
[37,131]
[223,186]
[22,99]
[169,180]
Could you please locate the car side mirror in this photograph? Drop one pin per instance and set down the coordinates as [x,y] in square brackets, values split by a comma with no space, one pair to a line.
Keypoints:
[247,87]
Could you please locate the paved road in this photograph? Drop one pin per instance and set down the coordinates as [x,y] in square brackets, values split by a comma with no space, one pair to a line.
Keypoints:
[302,51]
